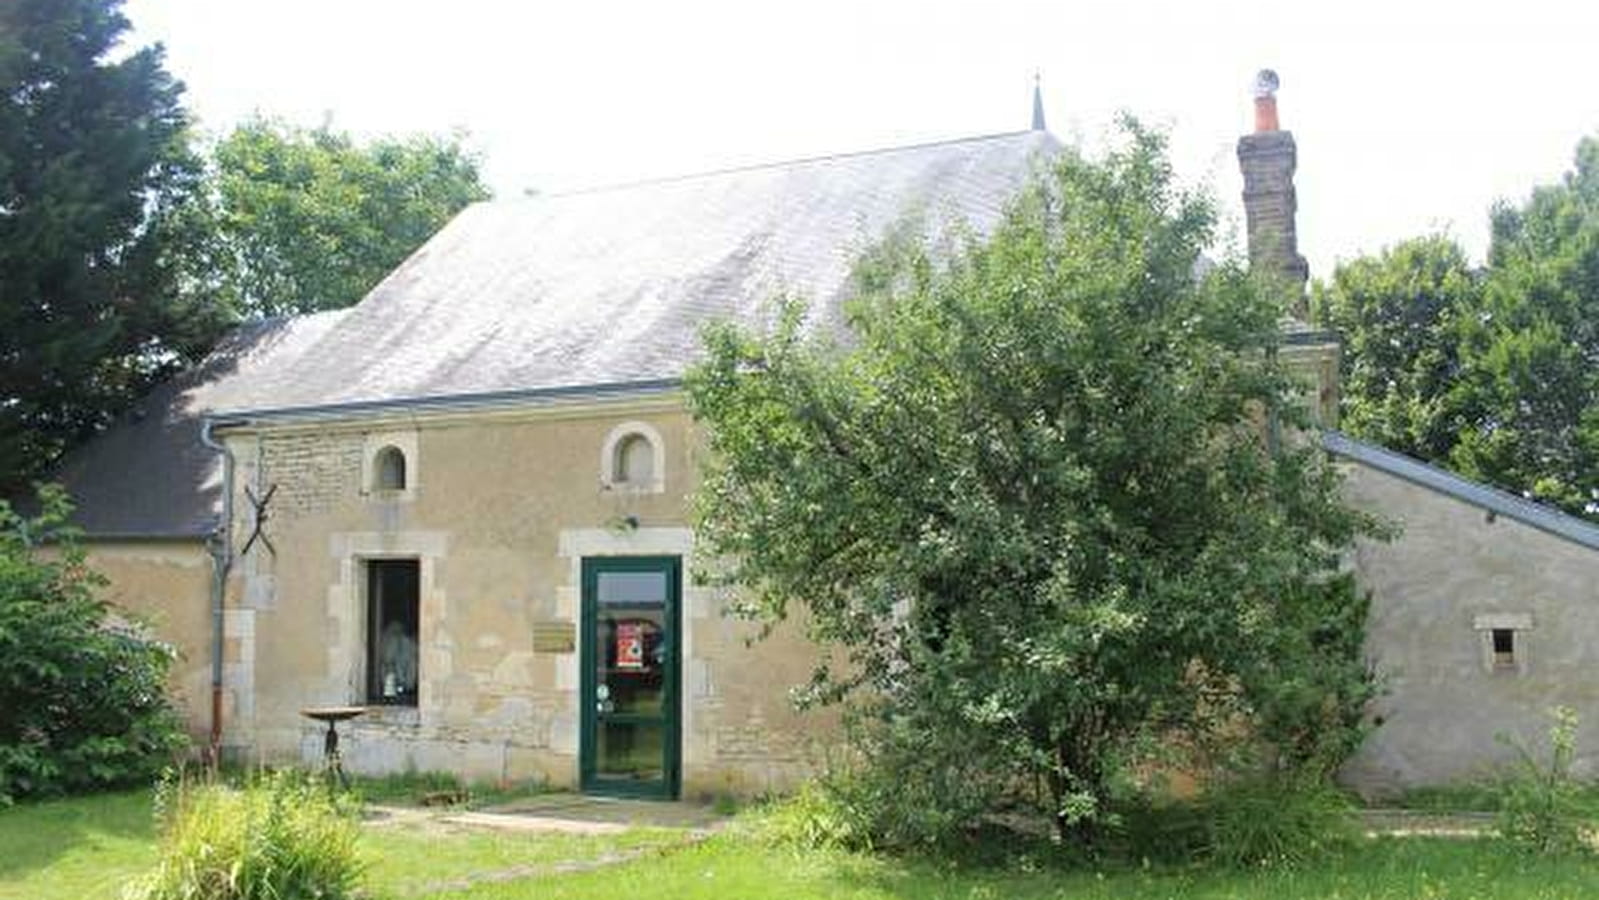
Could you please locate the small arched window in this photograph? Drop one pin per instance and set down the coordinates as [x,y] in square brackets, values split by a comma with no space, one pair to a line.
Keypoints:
[635,461]
[390,469]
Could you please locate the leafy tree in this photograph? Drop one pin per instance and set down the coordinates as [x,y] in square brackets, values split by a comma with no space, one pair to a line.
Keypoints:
[93,163]
[1029,500]
[1493,372]
[1531,350]
[1398,315]
[303,220]
[84,692]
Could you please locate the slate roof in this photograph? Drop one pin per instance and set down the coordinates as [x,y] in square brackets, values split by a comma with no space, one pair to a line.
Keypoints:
[549,294]
[1528,512]
[148,475]
[614,285]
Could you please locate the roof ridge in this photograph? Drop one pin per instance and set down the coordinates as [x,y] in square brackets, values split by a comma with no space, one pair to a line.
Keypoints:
[776,164]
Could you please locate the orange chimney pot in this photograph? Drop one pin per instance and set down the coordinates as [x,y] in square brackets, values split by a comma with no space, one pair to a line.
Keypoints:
[1266,114]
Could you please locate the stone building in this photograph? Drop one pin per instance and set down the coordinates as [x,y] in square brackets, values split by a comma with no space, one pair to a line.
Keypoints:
[462,502]
[1483,619]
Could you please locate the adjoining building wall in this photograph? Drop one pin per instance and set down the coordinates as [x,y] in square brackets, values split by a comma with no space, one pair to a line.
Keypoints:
[167,586]
[1439,593]
[499,509]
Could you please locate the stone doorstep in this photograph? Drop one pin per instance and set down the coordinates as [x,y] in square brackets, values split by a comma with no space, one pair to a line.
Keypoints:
[1426,823]
[563,814]
[632,813]
[523,822]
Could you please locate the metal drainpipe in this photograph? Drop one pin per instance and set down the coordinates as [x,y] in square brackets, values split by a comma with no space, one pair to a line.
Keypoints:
[1274,421]
[220,545]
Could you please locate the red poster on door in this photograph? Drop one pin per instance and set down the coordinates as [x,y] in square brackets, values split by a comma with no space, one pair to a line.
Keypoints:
[629,645]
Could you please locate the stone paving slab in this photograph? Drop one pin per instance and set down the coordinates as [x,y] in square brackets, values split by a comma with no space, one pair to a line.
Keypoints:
[610,810]
[561,813]
[1427,823]
[547,824]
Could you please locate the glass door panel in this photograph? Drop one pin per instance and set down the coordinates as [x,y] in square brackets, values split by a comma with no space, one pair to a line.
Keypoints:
[630,665]
[634,751]
[631,651]
[631,588]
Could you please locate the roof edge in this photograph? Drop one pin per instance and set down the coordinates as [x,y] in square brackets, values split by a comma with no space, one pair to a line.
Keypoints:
[142,537]
[446,402]
[1544,518]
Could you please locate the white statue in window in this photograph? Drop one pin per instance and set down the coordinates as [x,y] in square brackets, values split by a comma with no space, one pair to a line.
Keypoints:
[397,660]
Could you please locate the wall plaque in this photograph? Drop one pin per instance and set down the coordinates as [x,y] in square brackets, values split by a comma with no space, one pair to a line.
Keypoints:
[554,636]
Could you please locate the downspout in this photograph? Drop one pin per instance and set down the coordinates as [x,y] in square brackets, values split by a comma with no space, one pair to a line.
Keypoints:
[220,546]
[1274,419]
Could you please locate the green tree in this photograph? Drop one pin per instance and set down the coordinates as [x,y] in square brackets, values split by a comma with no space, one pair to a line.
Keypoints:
[93,164]
[1029,500]
[84,691]
[1530,351]
[1398,315]
[309,219]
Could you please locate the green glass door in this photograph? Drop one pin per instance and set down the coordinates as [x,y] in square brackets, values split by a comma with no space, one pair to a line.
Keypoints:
[629,741]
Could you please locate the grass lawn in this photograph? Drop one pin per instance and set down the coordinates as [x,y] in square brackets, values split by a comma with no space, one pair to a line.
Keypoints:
[87,847]
[75,848]
[1385,868]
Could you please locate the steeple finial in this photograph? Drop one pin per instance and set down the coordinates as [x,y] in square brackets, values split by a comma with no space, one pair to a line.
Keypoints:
[1038,102]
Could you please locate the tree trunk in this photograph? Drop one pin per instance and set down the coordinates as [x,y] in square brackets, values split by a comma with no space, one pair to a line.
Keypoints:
[1076,769]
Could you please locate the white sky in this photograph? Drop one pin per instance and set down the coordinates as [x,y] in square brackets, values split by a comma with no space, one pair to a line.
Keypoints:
[1410,116]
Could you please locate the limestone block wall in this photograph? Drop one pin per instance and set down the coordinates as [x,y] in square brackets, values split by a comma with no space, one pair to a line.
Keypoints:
[499,511]
[1456,574]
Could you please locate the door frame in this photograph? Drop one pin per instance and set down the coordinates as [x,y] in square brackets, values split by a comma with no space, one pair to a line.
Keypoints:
[672,751]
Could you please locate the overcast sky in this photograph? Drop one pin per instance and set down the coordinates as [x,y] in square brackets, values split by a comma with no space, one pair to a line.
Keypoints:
[1410,117]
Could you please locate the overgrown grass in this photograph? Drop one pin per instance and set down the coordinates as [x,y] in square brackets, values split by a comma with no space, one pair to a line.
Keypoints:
[86,848]
[423,788]
[1383,869]
[1482,795]
[1271,822]
[1464,796]
[284,834]
[81,847]
[441,789]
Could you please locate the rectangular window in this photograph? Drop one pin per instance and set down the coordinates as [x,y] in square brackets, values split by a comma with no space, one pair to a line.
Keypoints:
[393,589]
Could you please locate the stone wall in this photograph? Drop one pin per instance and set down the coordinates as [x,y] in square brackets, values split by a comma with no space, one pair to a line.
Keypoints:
[167,585]
[499,511]
[502,508]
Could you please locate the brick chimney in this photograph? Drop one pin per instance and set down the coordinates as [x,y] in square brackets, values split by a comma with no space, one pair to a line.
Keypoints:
[1267,159]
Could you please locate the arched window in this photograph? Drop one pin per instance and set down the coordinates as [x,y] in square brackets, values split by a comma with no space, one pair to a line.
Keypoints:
[390,469]
[633,459]
[635,462]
